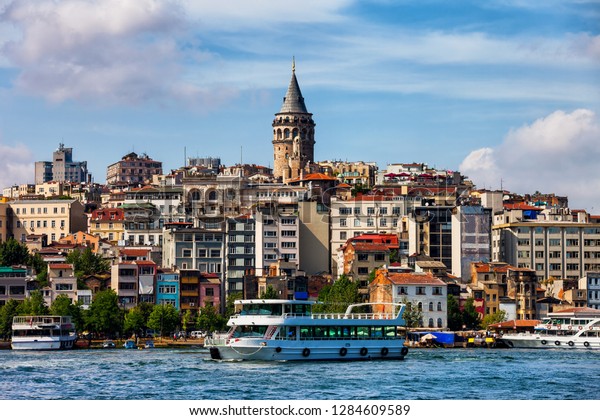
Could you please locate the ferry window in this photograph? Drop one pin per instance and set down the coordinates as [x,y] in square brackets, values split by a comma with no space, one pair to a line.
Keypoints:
[376,332]
[320,332]
[305,332]
[335,332]
[362,332]
[347,332]
[390,332]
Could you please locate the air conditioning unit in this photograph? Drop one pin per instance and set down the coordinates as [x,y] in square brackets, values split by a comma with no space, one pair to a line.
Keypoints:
[192,304]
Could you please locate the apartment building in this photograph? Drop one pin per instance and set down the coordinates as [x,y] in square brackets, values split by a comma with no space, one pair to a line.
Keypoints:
[108,224]
[167,288]
[53,218]
[427,292]
[369,214]
[3,221]
[133,169]
[14,283]
[553,242]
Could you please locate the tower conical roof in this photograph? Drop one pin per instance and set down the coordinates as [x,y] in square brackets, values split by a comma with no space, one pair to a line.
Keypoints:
[293,100]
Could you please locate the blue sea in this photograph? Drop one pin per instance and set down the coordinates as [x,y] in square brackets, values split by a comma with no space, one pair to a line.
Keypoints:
[177,374]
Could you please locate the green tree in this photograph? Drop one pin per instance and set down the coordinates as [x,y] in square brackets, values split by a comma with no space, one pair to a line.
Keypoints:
[33,305]
[104,315]
[209,319]
[413,314]
[455,317]
[135,321]
[337,296]
[7,313]
[269,293]
[470,315]
[164,318]
[86,263]
[13,253]
[63,306]
[493,319]
[230,303]
[186,320]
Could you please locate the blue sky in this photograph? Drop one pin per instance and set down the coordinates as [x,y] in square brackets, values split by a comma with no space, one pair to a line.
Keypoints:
[507,91]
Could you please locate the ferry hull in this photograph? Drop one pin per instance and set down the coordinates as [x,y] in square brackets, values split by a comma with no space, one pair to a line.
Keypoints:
[309,351]
[537,341]
[42,344]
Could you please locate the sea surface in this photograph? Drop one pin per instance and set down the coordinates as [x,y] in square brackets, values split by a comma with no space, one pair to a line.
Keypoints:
[189,374]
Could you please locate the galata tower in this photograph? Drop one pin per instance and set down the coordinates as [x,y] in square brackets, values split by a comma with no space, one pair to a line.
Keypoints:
[293,134]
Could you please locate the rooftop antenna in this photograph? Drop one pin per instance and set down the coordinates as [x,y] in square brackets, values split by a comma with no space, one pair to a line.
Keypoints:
[184,157]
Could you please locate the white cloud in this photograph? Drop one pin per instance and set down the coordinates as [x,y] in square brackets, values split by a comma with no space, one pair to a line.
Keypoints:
[16,165]
[555,154]
[111,50]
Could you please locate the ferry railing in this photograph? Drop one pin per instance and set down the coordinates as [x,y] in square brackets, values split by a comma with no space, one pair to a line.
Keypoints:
[42,319]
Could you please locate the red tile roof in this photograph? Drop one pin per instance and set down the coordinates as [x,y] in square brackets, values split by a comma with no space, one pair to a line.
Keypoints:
[520,206]
[60,266]
[364,246]
[414,278]
[135,252]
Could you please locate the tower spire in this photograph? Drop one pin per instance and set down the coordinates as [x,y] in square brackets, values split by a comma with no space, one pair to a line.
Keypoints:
[293,64]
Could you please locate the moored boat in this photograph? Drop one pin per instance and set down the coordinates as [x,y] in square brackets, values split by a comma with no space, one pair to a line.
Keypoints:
[48,332]
[286,330]
[577,328]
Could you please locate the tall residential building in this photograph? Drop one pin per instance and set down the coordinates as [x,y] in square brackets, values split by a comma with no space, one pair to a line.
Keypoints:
[293,134]
[555,243]
[369,214]
[62,167]
[133,170]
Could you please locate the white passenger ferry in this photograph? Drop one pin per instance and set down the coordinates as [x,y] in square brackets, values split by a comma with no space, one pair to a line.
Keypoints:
[577,328]
[273,329]
[46,332]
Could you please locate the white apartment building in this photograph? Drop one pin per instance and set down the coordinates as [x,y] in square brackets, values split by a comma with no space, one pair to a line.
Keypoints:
[553,242]
[367,214]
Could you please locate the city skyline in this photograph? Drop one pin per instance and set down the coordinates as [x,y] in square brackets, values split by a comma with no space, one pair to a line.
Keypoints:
[505,92]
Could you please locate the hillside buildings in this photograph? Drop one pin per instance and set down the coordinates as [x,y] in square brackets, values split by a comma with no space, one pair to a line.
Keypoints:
[133,170]
[61,168]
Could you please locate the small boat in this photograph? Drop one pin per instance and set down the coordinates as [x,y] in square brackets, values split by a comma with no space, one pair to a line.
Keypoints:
[108,344]
[576,328]
[149,344]
[48,332]
[285,330]
[129,344]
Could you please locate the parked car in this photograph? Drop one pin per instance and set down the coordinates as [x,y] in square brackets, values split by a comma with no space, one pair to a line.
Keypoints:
[198,334]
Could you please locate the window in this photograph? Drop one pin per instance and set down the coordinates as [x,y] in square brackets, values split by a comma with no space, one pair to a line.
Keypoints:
[186,253]
[437,290]
[363,257]
[288,244]
[357,222]
[363,270]
[439,306]
[288,233]
[215,253]
[430,306]
[420,290]
[343,222]
[370,211]
[343,236]
[210,291]
[345,211]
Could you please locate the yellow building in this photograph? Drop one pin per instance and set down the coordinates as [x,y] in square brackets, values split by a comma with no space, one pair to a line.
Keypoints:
[54,218]
[108,224]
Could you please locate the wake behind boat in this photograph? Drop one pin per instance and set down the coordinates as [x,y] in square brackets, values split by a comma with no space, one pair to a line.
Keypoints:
[273,329]
[46,332]
[577,328]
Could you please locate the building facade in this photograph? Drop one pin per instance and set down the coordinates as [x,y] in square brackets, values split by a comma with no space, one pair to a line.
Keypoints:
[133,170]
[62,168]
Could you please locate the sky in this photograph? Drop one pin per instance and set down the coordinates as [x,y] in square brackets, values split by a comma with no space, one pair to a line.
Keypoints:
[506,91]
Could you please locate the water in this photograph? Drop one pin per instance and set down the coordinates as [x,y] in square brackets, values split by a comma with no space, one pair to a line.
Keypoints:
[431,374]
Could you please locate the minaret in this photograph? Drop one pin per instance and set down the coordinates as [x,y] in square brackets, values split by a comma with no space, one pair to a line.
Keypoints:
[293,134]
